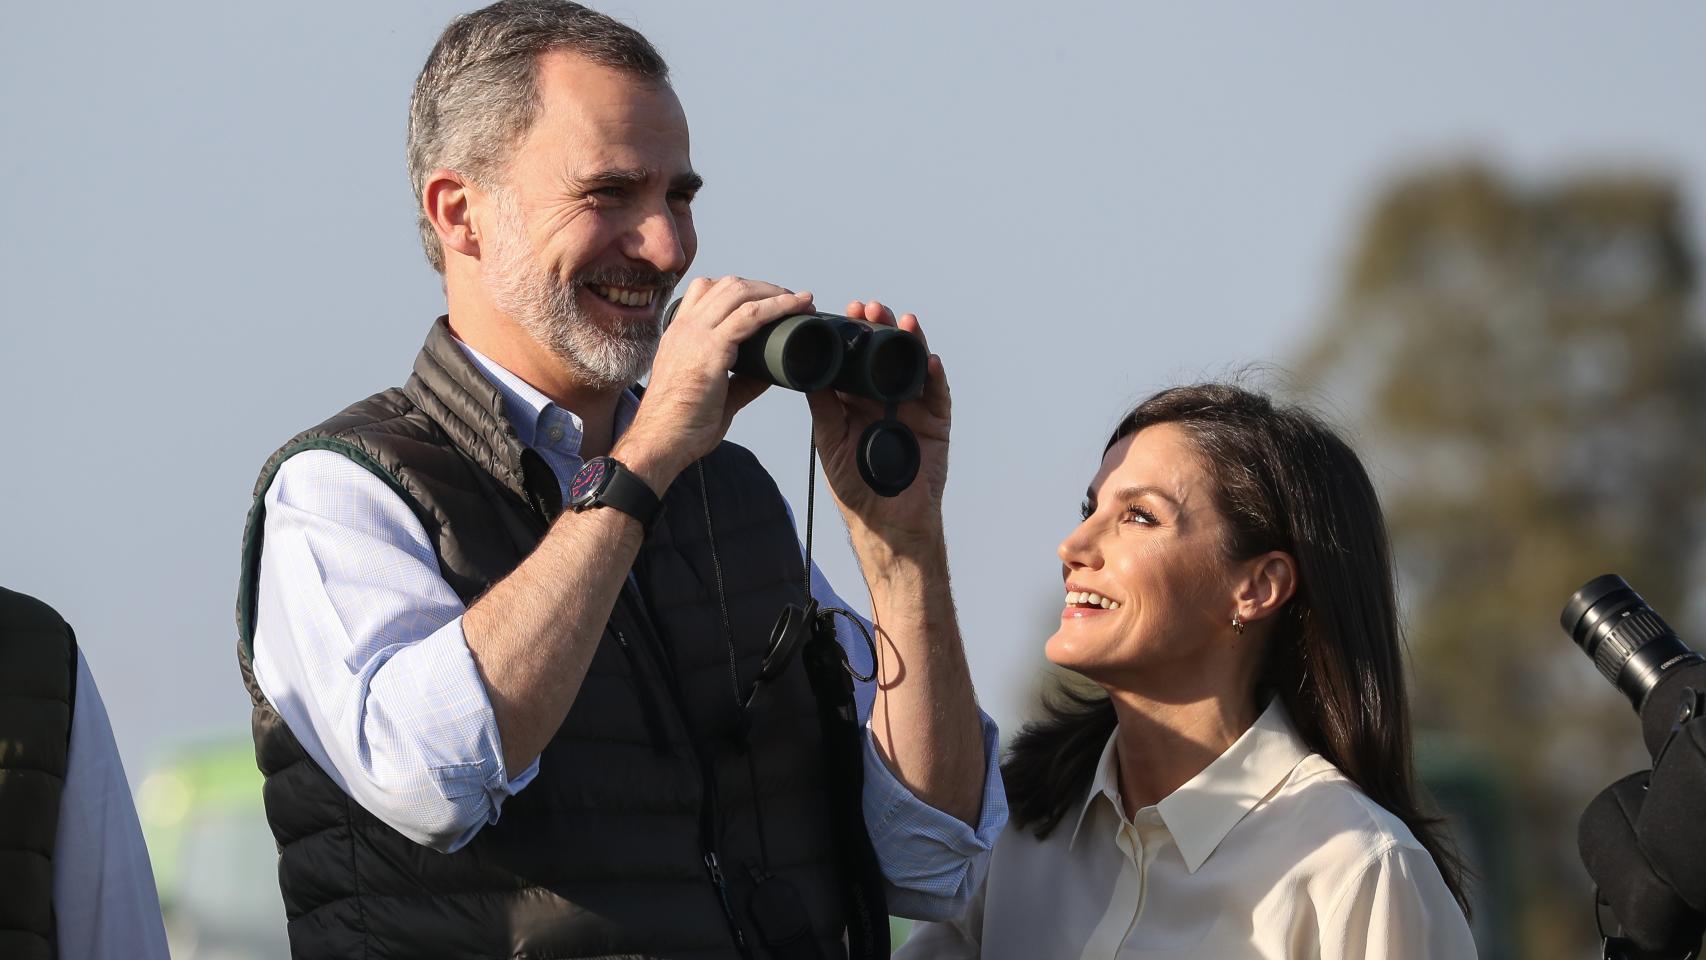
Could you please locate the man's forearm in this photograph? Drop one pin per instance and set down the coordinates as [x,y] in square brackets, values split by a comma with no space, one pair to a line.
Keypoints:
[533,635]
[925,720]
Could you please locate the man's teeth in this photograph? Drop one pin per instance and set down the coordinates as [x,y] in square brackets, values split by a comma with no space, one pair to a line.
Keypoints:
[1076,598]
[625,296]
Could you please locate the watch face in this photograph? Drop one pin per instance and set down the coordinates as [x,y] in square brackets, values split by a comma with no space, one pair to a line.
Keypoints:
[588,481]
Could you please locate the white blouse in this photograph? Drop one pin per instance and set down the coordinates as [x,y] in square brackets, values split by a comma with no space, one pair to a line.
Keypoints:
[1268,852]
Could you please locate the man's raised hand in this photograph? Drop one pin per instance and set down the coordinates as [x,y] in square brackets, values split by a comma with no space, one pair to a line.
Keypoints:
[691,397]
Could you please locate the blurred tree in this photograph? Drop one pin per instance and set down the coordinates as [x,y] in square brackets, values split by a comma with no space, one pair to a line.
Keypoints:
[1523,375]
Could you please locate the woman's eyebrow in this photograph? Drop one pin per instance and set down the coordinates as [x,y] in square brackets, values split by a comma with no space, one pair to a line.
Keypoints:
[1126,494]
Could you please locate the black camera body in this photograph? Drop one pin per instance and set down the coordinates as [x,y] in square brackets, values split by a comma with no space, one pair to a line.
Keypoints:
[1642,838]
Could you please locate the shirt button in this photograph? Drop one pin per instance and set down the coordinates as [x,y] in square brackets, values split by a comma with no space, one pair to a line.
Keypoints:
[555,433]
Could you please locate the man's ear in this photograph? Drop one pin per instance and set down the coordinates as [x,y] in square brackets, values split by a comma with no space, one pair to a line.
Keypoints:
[1269,581]
[447,198]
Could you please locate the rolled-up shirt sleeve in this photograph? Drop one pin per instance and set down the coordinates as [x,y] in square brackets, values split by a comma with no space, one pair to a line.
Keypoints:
[932,861]
[359,647]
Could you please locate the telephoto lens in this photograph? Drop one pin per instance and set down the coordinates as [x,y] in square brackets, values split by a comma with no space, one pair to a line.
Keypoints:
[802,352]
[1632,646]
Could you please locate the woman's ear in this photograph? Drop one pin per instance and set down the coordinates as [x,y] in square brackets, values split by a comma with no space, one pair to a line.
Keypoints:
[1269,581]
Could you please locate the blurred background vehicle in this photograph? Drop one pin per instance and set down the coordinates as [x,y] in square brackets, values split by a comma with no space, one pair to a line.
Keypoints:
[214,860]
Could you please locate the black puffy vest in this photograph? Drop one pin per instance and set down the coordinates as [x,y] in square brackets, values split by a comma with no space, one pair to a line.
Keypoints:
[38,673]
[603,854]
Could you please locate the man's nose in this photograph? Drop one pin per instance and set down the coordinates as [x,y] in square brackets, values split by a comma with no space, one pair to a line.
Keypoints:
[657,239]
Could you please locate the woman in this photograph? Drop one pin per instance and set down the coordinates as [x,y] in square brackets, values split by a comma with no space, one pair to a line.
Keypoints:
[1244,789]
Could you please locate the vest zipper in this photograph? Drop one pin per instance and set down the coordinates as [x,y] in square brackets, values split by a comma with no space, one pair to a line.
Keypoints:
[716,869]
[708,807]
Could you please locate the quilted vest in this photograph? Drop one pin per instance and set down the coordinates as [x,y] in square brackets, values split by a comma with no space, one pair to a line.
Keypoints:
[38,669]
[606,852]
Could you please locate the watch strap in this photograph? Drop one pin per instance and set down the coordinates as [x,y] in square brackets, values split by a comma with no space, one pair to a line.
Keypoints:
[624,490]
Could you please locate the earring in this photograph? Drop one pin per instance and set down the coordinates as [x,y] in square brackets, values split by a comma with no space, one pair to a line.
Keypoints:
[1238,624]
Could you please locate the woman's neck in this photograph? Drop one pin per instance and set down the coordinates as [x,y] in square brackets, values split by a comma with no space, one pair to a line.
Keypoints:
[1161,745]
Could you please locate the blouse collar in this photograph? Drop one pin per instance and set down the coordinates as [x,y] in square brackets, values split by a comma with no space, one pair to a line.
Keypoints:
[1204,810]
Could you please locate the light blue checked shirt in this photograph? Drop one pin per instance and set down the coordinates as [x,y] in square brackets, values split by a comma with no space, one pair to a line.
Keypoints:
[359,647]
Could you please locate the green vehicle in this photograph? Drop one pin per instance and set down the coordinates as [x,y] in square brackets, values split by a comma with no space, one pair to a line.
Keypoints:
[214,860]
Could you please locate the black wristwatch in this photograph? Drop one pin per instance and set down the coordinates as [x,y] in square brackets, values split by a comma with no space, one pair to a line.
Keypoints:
[605,482]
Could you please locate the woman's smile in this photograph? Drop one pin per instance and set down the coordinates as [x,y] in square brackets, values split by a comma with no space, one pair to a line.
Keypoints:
[1083,604]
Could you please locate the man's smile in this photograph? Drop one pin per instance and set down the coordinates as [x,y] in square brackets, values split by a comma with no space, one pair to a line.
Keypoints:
[642,297]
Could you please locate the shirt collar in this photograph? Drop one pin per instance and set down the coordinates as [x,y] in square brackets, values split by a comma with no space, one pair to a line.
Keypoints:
[526,408]
[1201,813]
[1105,784]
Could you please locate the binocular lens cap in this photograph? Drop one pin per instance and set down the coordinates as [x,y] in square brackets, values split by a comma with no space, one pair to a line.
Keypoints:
[888,457]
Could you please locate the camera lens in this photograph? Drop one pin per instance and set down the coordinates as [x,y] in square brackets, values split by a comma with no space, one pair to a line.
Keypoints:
[1630,644]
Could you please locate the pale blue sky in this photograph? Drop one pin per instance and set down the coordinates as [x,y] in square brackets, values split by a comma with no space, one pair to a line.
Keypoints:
[209,245]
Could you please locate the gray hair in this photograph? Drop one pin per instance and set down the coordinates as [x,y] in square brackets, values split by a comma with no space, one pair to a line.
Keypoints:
[477,96]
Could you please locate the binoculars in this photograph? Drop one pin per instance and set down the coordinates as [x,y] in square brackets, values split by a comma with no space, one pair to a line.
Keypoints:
[816,351]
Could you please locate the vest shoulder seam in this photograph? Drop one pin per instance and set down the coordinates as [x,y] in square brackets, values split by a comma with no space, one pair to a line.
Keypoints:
[254,526]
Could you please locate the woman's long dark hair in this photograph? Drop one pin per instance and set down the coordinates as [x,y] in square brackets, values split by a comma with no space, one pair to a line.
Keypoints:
[1284,481]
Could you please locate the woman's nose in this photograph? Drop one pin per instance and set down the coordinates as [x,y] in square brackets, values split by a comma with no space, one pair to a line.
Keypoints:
[1079,548]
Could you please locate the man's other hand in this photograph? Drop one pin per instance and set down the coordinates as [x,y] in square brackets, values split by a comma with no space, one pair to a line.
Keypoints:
[912,520]
[692,398]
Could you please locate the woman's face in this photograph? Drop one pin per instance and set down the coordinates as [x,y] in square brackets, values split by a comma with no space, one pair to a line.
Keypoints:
[1150,554]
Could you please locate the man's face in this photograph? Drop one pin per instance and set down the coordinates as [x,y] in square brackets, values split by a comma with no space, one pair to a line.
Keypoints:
[593,226]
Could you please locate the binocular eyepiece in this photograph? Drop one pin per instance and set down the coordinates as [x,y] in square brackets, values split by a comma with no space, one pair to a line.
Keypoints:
[814,351]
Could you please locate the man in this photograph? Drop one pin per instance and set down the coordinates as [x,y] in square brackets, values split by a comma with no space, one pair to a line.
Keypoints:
[545,717]
[74,874]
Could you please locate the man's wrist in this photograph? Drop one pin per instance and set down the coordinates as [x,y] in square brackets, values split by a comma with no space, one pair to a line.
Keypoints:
[908,557]
[652,463]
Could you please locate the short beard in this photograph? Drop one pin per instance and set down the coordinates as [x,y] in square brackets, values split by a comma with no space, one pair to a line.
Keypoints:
[550,310]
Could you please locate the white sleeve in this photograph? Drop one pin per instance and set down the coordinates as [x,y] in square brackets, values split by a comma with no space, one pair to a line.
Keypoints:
[960,938]
[1397,907]
[359,647]
[104,901]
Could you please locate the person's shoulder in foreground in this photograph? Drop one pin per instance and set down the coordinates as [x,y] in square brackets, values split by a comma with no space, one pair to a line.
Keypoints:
[74,872]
